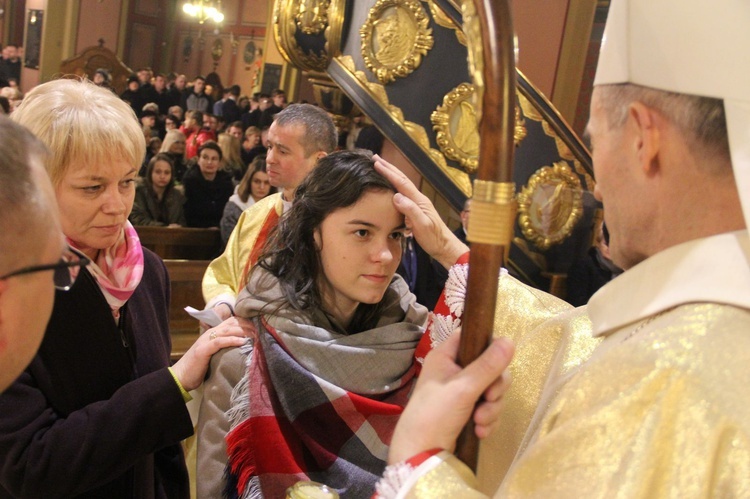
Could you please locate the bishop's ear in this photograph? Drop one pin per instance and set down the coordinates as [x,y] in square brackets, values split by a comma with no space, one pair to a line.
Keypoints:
[646,124]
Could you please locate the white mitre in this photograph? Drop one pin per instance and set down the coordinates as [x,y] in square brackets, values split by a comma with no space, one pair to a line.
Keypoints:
[695,47]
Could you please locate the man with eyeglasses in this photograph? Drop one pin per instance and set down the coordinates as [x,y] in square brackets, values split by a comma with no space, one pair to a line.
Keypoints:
[34,259]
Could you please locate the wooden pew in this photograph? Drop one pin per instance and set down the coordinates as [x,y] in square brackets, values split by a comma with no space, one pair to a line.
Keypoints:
[181,243]
[185,277]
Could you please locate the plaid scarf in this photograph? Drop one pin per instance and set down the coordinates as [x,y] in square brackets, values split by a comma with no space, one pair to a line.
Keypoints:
[318,404]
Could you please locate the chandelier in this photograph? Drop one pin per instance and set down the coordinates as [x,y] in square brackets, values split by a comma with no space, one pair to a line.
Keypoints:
[204,10]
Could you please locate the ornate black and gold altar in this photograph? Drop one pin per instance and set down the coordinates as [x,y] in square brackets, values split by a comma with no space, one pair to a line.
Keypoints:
[423,96]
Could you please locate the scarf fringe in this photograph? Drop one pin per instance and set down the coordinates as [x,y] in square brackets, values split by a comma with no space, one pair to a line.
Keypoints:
[239,410]
[242,466]
[252,490]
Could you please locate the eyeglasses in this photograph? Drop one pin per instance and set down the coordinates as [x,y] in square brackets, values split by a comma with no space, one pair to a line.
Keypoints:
[66,270]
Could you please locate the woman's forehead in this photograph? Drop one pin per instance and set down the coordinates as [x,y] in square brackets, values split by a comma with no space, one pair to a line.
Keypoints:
[106,168]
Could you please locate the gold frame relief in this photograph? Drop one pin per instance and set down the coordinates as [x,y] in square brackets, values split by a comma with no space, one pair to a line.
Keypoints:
[312,16]
[456,127]
[550,205]
[394,38]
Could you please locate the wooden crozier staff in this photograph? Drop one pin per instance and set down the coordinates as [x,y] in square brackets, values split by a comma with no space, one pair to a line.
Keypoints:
[489,31]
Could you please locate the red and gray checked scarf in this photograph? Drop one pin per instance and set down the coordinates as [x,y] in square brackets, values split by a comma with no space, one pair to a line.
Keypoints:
[118,270]
[319,404]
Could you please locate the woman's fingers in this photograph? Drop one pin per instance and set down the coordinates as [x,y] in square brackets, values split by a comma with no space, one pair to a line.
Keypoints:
[192,367]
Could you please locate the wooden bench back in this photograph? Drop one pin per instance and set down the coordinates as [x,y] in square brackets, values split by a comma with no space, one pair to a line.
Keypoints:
[181,243]
[185,277]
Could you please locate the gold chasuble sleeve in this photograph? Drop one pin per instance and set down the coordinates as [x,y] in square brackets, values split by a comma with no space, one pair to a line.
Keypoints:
[224,277]
[651,415]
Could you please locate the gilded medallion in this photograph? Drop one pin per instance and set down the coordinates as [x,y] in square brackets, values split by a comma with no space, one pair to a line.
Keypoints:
[394,38]
[217,49]
[312,16]
[550,205]
[456,127]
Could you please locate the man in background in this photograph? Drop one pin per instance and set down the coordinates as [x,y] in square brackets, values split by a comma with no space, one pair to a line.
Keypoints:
[196,99]
[10,65]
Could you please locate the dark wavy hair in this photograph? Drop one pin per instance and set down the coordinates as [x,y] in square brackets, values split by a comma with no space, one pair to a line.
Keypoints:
[211,144]
[290,254]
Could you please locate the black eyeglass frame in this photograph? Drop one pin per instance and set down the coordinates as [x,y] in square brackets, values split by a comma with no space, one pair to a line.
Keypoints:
[81,261]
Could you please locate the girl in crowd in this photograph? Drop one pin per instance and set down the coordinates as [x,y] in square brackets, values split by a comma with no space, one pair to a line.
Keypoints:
[230,149]
[332,353]
[207,188]
[153,146]
[174,146]
[99,412]
[157,202]
[253,187]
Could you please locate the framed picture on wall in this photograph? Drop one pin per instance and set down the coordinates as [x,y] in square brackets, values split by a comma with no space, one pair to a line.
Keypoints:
[271,78]
[33,41]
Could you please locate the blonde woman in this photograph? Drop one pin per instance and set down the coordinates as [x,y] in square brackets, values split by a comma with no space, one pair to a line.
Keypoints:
[230,148]
[174,146]
[99,412]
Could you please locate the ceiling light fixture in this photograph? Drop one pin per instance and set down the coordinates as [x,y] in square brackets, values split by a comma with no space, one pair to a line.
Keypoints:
[204,10]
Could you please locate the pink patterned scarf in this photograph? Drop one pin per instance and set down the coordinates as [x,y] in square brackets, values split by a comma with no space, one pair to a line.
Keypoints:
[118,269]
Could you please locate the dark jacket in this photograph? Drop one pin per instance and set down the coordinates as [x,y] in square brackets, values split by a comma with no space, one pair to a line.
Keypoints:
[266,117]
[251,118]
[205,199]
[231,111]
[97,413]
[424,276]
[148,210]
[135,99]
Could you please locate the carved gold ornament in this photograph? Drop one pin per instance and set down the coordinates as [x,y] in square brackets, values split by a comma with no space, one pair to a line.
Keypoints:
[312,16]
[550,205]
[442,19]
[519,130]
[322,19]
[473,32]
[394,38]
[456,127]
